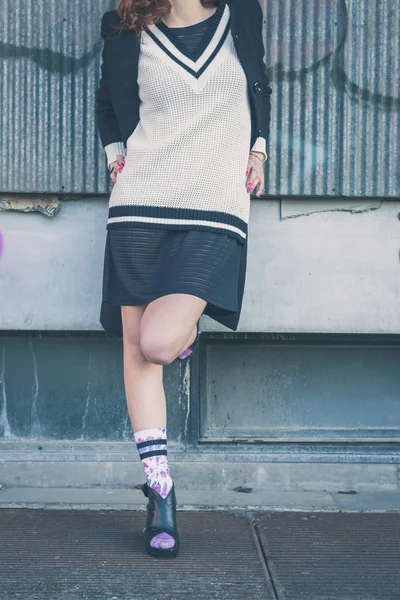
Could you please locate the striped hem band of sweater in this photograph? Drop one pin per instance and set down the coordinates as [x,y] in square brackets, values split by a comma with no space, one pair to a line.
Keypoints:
[176,218]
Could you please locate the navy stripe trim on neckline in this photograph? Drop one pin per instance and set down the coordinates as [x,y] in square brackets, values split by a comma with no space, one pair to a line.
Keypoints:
[212,24]
[196,74]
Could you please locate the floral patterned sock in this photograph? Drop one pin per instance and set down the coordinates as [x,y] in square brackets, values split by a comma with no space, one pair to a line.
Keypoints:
[152,447]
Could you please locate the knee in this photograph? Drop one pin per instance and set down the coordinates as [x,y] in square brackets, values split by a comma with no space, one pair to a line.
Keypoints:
[131,340]
[156,350]
[133,354]
[131,330]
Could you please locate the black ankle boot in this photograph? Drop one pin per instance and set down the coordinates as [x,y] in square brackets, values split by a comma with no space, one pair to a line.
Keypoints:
[161,518]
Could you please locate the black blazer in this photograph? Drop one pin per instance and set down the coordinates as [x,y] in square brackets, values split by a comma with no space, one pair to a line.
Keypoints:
[117,98]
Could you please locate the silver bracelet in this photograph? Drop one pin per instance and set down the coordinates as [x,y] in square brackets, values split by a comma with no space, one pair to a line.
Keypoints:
[256,154]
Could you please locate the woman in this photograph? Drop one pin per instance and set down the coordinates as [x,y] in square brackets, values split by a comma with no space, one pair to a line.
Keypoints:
[183,112]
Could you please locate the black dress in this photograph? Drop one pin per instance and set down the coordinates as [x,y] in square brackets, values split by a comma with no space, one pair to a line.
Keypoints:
[141,265]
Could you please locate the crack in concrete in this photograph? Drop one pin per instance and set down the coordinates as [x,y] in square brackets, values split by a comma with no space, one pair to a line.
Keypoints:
[36,429]
[291,209]
[126,431]
[186,388]
[90,367]
[4,422]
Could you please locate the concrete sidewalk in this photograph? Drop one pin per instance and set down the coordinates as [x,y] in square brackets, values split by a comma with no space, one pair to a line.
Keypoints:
[227,553]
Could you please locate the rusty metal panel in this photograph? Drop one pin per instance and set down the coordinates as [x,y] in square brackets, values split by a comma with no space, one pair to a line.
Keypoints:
[32,369]
[334,68]
[285,391]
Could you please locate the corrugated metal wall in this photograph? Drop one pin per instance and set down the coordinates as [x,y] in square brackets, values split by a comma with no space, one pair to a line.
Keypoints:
[50,56]
[335,72]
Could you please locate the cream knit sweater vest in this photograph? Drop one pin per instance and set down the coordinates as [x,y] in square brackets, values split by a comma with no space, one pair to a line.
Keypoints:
[186,160]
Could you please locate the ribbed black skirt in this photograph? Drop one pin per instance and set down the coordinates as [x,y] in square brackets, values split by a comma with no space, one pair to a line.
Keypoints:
[141,265]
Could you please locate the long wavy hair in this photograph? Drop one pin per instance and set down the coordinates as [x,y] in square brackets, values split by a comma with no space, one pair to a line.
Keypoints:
[139,14]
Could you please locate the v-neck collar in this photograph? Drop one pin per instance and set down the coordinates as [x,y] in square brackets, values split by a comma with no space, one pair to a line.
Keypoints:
[212,26]
[195,73]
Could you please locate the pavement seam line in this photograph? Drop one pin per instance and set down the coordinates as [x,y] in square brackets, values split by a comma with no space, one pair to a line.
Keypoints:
[266,558]
[252,519]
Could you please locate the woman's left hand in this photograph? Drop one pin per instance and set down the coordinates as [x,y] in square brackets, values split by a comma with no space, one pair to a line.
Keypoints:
[255,173]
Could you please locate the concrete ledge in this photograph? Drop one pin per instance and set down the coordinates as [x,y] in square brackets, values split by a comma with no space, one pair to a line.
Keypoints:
[189,500]
[207,474]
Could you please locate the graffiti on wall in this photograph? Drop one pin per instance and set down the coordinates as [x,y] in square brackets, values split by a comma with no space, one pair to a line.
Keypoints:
[334,57]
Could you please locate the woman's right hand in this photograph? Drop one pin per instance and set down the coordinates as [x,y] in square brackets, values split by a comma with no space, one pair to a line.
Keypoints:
[116,167]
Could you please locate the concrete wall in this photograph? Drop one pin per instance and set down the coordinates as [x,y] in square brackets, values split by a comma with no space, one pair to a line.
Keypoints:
[295,408]
[330,272]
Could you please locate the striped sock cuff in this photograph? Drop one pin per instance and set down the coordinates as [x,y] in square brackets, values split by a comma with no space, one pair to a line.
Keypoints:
[154,442]
[157,452]
[151,442]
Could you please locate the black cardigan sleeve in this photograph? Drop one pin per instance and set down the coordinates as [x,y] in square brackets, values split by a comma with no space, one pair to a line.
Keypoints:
[266,89]
[106,120]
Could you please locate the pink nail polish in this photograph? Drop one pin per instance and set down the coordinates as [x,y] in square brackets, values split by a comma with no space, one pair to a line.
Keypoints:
[122,164]
[247,172]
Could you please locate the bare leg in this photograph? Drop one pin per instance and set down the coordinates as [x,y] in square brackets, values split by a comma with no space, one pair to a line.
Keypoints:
[144,388]
[168,326]
[155,335]
[143,380]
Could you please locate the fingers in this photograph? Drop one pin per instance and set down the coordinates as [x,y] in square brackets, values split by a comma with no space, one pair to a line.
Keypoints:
[113,172]
[256,179]
[254,184]
[255,175]
[116,167]
[260,184]
[121,162]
